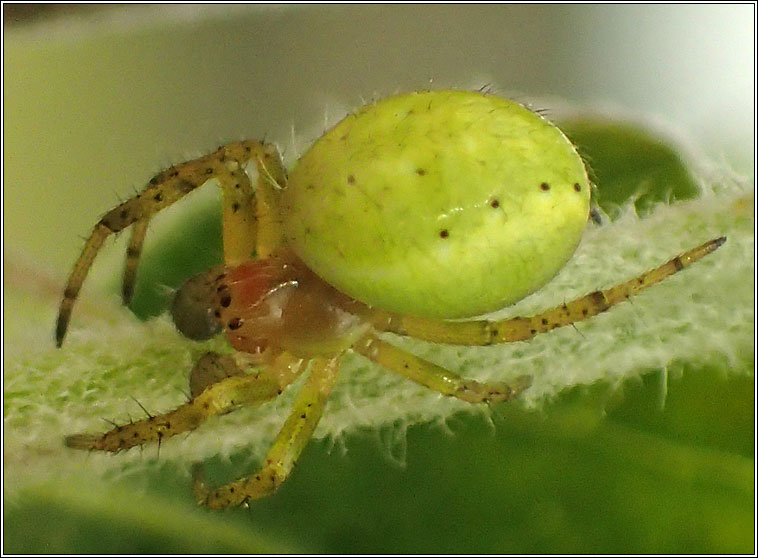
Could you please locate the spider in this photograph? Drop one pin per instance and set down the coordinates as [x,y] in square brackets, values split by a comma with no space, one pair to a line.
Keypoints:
[411,212]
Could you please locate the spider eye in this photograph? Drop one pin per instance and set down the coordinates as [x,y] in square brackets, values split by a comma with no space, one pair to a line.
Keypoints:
[192,308]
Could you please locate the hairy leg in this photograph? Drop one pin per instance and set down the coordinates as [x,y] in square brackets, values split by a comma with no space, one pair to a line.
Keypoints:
[217,385]
[240,213]
[482,332]
[133,252]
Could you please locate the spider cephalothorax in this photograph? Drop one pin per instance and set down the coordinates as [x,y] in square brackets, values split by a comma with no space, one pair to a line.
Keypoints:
[410,212]
[279,304]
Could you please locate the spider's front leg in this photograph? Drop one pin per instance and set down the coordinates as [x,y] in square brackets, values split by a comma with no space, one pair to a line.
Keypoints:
[287,447]
[218,385]
[249,223]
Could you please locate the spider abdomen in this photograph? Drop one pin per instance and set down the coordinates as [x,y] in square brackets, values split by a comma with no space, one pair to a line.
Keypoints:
[440,204]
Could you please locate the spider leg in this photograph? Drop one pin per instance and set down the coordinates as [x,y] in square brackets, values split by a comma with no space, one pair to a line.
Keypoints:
[436,377]
[483,332]
[240,212]
[287,447]
[218,385]
[133,252]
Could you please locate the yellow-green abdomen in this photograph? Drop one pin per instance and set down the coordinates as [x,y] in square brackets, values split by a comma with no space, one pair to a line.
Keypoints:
[442,204]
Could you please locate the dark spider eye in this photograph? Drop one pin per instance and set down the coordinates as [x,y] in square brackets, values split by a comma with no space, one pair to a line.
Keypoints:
[192,309]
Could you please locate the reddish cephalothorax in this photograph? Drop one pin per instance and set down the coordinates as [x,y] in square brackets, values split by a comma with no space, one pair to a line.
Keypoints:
[280,303]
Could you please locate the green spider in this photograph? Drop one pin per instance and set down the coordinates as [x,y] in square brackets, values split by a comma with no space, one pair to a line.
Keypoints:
[411,212]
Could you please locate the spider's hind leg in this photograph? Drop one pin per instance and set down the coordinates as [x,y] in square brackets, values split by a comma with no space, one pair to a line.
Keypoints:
[483,332]
[436,377]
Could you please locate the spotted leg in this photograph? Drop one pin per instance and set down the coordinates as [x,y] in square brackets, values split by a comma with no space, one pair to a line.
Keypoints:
[241,215]
[133,252]
[287,447]
[482,332]
[436,377]
[217,385]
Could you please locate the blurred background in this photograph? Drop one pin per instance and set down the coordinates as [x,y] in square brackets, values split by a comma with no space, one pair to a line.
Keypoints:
[97,99]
